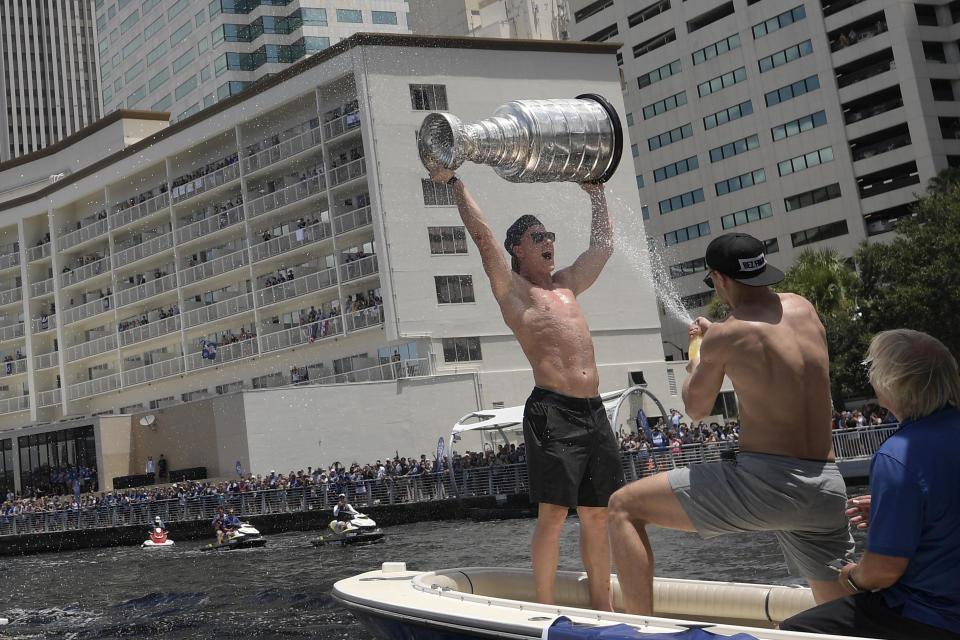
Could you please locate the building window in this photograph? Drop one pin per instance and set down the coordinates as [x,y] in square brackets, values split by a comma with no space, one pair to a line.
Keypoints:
[812,197]
[667,104]
[156,53]
[687,268]
[163,104]
[437,194]
[726,115]
[157,80]
[635,150]
[454,289]
[461,349]
[734,148]
[181,62]
[630,119]
[654,43]
[312,17]
[447,240]
[133,46]
[669,137]
[200,18]
[799,125]
[133,72]
[154,27]
[715,49]
[723,81]
[640,182]
[675,169]
[779,22]
[428,97]
[752,214]
[807,160]
[185,87]
[129,21]
[771,246]
[135,97]
[697,300]
[742,181]
[679,202]
[816,234]
[789,54]
[384,17]
[659,74]
[177,7]
[685,234]
[182,32]
[793,90]
[349,15]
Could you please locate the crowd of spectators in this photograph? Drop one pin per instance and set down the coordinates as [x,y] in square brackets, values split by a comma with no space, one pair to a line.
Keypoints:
[144,318]
[854,35]
[211,167]
[276,138]
[139,198]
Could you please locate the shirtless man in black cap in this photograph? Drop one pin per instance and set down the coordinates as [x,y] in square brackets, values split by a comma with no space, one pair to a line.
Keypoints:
[572,455]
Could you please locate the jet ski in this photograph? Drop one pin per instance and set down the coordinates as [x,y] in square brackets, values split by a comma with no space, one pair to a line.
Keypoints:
[360,530]
[158,540]
[245,536]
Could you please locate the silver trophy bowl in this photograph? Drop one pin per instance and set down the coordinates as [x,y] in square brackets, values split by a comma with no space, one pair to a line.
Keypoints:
[563,140]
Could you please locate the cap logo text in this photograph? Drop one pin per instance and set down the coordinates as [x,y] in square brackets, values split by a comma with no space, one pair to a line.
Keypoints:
[752,264]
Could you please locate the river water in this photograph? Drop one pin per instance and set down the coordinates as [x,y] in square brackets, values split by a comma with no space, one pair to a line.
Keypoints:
[283,590]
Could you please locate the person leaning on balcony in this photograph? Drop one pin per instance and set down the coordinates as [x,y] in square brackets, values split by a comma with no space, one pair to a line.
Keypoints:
[904,585]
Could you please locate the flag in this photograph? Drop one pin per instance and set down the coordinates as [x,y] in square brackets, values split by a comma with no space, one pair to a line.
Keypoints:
[642,424]
[209,351]
[299,235]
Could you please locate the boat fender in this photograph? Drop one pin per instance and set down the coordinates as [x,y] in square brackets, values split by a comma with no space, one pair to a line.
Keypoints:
[766,605]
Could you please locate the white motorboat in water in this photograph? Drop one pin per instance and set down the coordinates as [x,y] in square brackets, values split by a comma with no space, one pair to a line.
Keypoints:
[360,530]
[246,536]
[482,602]
[158,540]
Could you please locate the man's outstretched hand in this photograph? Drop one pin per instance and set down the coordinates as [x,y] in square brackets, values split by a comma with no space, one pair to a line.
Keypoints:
[441,174]
[858,510]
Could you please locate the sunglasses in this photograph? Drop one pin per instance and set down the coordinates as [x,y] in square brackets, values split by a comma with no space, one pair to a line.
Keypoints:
[540,236]
[709,280]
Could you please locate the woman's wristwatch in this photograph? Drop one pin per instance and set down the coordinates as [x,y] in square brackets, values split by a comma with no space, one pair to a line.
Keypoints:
[852,583]
[453,179]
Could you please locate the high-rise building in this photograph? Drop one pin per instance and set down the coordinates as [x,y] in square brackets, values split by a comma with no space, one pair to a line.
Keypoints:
[48,87]
[289,234]
[808,124]
[181,56]
[523,19]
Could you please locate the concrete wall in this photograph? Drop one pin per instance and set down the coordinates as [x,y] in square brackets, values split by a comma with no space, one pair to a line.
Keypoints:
[115,440]
[190,435]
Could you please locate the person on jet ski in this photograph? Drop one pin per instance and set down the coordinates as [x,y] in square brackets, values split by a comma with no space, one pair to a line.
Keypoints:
[231,522]
[344,512]
[159,524]
[218,524]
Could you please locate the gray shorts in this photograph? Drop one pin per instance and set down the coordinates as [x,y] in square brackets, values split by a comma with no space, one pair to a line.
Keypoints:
[801,501]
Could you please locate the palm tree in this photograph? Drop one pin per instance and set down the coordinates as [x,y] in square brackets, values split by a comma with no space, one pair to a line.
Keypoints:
[823,277]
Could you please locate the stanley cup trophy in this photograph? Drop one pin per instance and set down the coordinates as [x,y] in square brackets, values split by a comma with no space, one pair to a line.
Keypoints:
[574,140]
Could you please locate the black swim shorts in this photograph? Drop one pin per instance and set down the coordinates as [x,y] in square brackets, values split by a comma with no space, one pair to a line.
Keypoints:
[572,455]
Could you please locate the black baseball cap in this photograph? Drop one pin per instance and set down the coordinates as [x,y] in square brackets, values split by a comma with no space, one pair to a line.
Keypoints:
[740,256]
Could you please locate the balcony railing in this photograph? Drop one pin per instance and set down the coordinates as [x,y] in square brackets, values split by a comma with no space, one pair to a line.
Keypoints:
[411,368]
[304,334]
[142,210]
[341,125]
[91,348]
[350,171]
[291,241]
[142,250]
[883,146]
[353,219]
[297,287]
[88,388]
[46,360]
[87,309]
[148,331]
[146,290]
[214,267]
[85,272]
[224,354]
[48,398]
[210,181]
[38,289]
[155,371]
[359,269]
[8,296]
[285,149]
[222,309]
[12,405]
[285,196]
[210,224]
[11,331]
[44,324]
[82,234]
[370,317]
[10,260]
[38,253]
[13,367]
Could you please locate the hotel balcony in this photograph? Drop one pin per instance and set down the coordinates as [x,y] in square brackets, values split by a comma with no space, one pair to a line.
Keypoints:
[216,311]
[304,334]
[48,398]
[286,149]
[142,250]
[148,207]
[87,310]
[364,318]
[9,296]
[11,332]
[353,220]
[226,353]
[10,260]
[89,388]
[155,371]
[206,183]
[42,288]
[210,224]
[214,267]
[299,286]
[288,195]
[46,360]
[87,271]
[12,405]
[362,268]
[44,324]
[39,253]
[148,331]
[147,290]
[13,367]
[290,242]
[83,234]
[350,171]
[91,348]
[340,126]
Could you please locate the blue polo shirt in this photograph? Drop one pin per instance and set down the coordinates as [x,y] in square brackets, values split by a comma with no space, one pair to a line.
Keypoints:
[915,514]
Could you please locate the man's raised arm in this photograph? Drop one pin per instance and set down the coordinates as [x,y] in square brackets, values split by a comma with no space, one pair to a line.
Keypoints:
[495,262]
[586,269]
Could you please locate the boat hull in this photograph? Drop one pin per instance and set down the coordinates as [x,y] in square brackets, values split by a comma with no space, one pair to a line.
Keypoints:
[235,544]
[333,539]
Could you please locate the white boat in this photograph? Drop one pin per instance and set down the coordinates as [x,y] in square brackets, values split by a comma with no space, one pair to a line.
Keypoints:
[482,602]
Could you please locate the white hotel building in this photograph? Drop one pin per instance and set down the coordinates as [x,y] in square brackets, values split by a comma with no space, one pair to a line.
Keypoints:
[160,240]
[808,124]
